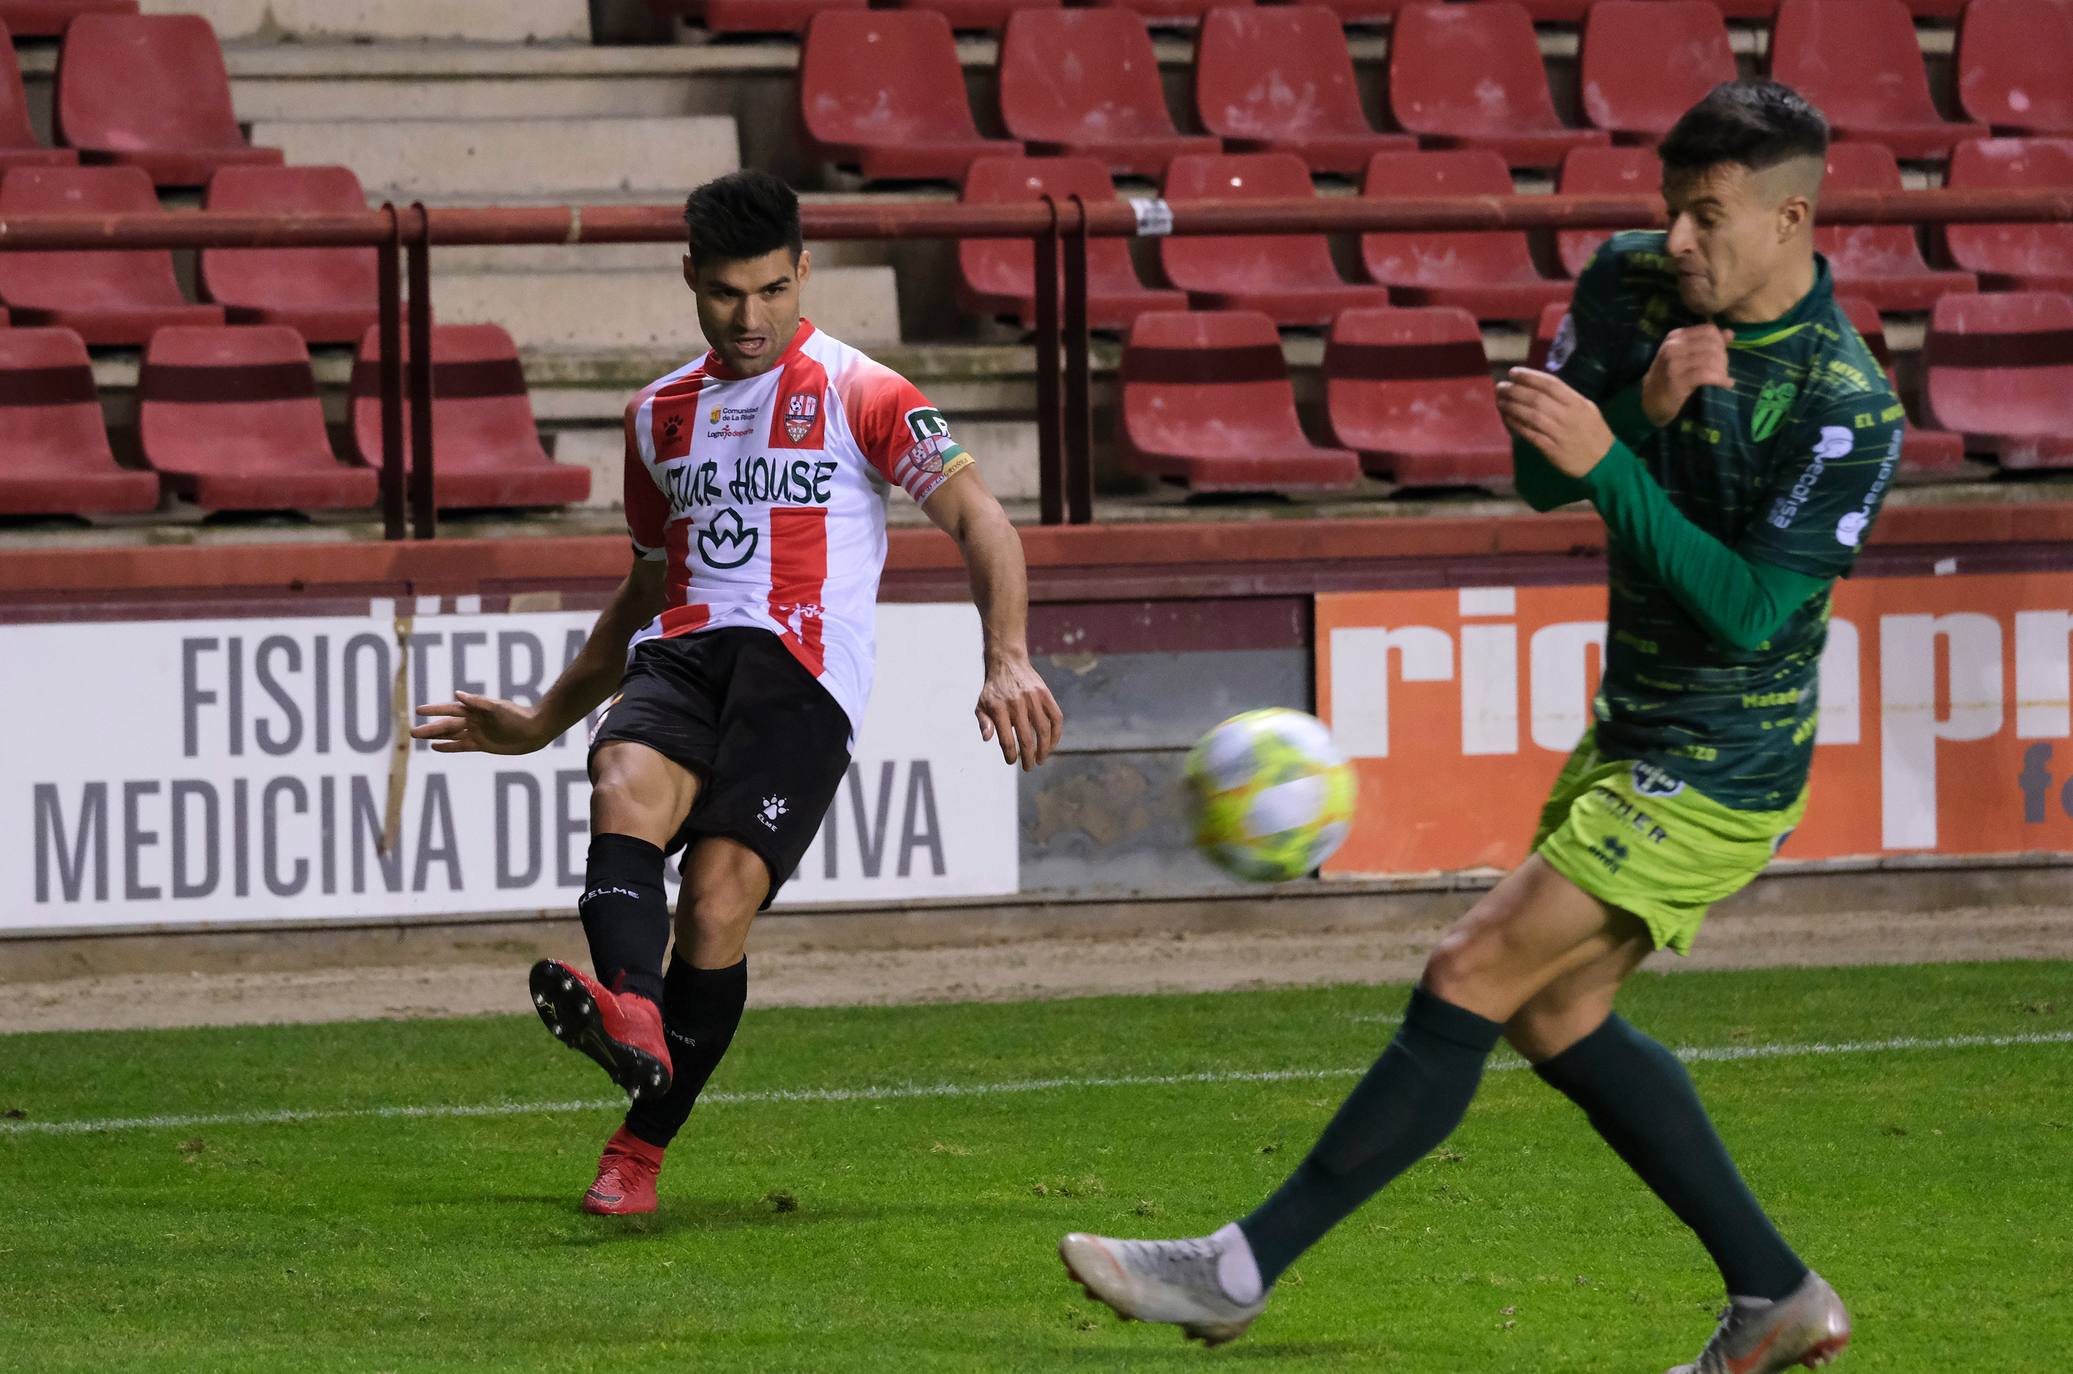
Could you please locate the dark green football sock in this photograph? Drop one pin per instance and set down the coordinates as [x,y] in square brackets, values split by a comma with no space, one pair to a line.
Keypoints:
[1410,1101]
[1642,1101]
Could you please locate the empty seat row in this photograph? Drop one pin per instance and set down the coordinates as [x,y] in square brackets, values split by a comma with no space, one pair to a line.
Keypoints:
[793,16]
[1490,273]
[1087,82]
[230,419]
[1883,263]
[1207,400]
[1280,78]
[120,296]
[147,91]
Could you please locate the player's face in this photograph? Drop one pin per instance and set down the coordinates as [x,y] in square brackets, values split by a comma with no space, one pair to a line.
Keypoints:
[748,308]
[1728,236]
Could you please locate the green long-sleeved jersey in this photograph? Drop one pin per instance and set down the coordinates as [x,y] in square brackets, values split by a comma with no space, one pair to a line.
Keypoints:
[1782,475]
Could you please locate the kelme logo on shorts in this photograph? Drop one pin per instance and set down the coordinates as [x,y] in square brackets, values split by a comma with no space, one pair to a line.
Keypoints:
[1771,404]
[1651,781]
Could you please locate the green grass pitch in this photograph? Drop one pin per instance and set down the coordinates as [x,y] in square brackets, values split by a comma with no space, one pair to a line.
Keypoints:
[808,1226]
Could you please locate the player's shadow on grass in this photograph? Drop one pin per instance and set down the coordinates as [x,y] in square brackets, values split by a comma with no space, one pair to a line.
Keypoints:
[1249,1351]
[734,1213]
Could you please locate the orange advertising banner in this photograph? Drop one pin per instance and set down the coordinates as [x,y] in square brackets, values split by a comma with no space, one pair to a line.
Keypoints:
[1945,722]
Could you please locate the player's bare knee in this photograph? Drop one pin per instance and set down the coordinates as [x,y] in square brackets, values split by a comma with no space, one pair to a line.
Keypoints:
[1459,967]
[714,924]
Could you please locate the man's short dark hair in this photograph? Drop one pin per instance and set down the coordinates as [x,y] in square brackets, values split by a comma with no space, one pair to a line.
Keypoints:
[742,215]
[1758,124]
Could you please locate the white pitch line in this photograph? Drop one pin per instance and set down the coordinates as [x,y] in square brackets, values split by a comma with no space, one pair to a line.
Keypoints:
[908,1092]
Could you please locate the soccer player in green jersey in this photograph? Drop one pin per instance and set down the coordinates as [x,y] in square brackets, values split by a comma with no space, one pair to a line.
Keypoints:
[1707,396]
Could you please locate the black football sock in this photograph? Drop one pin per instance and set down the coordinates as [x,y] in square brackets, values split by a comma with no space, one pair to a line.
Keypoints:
[625,914]
[700,1009]
[1641,1100]
[1410,1101]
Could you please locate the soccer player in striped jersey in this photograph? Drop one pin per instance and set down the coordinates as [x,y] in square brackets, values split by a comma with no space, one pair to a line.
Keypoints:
[1707,395]
[737,657]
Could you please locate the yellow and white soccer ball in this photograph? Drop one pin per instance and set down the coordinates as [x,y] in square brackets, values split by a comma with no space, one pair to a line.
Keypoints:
[1271,796]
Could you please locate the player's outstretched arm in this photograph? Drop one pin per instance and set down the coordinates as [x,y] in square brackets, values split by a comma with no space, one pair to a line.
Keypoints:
[1015,708]
[489,725]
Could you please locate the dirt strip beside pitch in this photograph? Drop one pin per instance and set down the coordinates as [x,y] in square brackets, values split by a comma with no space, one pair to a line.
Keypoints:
[790,971]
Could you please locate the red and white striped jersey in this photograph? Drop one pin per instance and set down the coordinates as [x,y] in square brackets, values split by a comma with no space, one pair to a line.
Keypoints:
[766,495]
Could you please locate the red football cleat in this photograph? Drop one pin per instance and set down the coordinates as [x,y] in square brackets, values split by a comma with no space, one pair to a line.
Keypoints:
[626,1173]
[621,1031]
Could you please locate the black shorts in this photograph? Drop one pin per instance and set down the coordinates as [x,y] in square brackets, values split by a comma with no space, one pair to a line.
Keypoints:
[768,743]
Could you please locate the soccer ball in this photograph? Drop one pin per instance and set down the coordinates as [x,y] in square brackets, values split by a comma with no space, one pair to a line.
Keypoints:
[1271,796]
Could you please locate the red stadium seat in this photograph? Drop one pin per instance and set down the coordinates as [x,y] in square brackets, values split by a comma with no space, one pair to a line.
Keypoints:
[329,294]
[2000,371]
[485,447]
[1410,390]
[1085,82]
[1288,276]
[2014,257]
[1506,107]
[19,146]
[883,90]
[1544,334]
[1489,273]
[48,18]
[998,276]
[1645,62]
[1206,399]
[54,454]
[753,16]
[1739,9]
[1859,61]
[2013,60]
[1280,80]
[1557,11]
[150,91]
[1356,11]
[1602,172]
[1169,12]
[977,14]
[231,417]
[1880,262]
[108,296]
[1921,450]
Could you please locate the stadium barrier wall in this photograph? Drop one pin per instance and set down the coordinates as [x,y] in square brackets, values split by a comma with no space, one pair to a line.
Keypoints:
[119,671]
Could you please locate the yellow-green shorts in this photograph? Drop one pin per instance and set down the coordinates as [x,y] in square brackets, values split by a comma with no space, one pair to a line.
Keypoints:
[1641,840]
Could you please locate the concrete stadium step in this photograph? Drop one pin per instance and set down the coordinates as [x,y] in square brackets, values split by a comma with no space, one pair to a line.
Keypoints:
[642,311]
[452,161]
[504,21]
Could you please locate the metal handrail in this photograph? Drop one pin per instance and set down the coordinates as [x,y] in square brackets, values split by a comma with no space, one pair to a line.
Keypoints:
[1054,227]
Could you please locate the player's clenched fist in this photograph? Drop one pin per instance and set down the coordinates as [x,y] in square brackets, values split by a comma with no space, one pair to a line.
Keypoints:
[1690,358]
[1554,417]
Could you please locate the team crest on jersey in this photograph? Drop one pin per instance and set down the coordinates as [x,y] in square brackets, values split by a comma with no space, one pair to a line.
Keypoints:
[1771,405]
[800,413]
[800,421]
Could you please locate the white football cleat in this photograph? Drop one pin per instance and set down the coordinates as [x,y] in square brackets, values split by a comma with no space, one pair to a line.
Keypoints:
[1178,1281]
[1808,1326]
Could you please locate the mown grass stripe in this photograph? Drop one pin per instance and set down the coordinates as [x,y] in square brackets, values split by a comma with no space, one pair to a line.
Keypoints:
[1702,1054]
